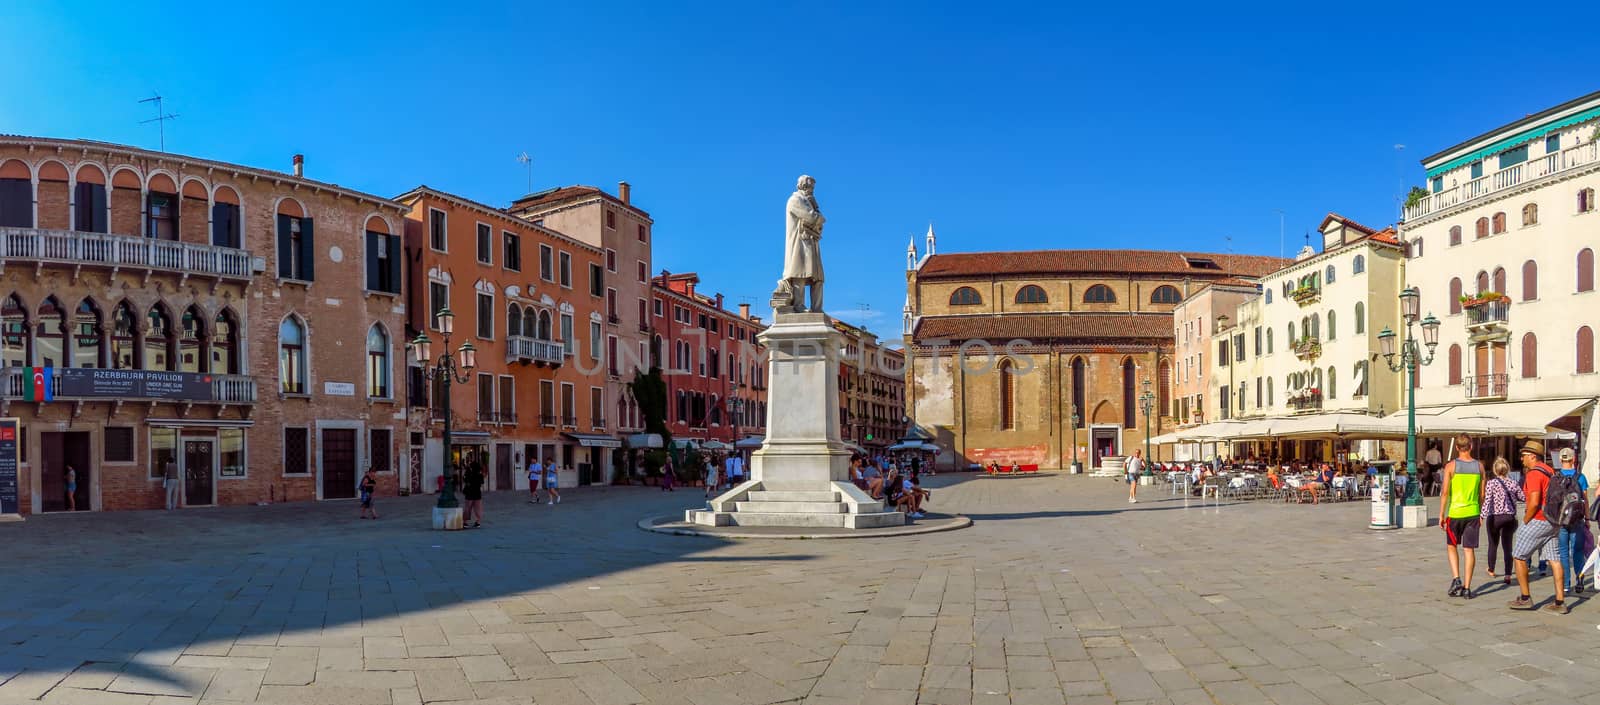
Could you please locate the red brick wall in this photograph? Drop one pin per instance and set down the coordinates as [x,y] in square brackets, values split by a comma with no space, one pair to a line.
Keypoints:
[125,207]
[54,199]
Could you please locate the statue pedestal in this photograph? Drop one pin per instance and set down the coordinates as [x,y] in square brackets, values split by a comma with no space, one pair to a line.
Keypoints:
[448,519]
[800,476]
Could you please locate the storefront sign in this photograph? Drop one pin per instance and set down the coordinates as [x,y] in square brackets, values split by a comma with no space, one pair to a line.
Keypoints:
[10,440]
[339,389]
[133,384]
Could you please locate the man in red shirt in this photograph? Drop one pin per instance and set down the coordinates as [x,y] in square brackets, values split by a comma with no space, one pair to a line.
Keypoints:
[1537,534]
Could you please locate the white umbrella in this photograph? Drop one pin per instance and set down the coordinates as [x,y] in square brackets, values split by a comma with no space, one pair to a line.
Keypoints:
[715,444]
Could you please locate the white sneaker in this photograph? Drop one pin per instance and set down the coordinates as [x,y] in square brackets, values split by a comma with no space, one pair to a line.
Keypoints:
[552,503]
[558,500]
[1132,501]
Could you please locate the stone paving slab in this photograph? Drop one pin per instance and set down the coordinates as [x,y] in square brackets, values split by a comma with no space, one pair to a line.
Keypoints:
[1059,592]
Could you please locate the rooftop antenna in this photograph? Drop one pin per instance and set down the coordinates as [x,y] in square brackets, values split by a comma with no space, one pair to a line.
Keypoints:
[1399,180]
[1279,211]
[161,118]
[527,164]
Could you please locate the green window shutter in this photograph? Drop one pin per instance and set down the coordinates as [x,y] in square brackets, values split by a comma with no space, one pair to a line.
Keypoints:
[394,264]
[308,248]
[285,252]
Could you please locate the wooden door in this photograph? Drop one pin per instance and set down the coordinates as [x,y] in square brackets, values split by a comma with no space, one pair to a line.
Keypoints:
[199,471]
[338,463]
[502,466]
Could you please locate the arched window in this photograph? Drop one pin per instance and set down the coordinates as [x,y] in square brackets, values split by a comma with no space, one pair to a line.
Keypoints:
[1530,214]
[225,344]
[1414,249]
[1361,318]
[158,341]
[1482,282]
[1327,276]
[1498,280]
[1332,332]
[1585,350]
[1099,294]
[191,333]
[544,326]
[1164,294]
[1291,340]
[1530,280]
[88,345]
[1269,341]
[1455,294]
[1129,418]
[1316,326]
[1499,222]
[1358,265]
[513,319]
[1455,364]
[292,356]
[1361,378]
[378,363]
[965,296]
[1164,387]
[1530,356]
[1079,382]
[1328,389]
[1269,295]
[1586,270]
[530,322]
[1008,418]
[124,338]
[1480,228]
[1455,235]
[1031,294]
[50,335]
[1269,391]
[1586,200]
[14,338]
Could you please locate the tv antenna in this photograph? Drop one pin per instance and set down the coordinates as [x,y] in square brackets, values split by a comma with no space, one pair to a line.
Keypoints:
[527,164]
[161,118]
[1279,211]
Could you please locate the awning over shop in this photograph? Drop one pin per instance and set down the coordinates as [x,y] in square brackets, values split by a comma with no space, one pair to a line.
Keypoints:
[715,444]
[472,437]
[1526,418]
[914,445]
[750,442]
[645,440]
[201,423]
[1516,418]
[594,440]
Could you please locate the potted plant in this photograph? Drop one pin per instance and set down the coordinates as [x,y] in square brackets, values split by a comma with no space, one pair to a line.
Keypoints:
[1416,195]
[1481,298]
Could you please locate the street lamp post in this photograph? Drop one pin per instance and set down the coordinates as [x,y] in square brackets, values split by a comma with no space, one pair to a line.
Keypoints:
[1074,439]
[1411,358]
[735,408]
[1147,401]
[447,369]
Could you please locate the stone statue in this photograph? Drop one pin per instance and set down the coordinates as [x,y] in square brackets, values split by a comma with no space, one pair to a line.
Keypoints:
[802,260]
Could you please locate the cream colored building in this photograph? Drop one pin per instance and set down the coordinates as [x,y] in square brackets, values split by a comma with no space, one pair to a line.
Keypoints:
[1194,323]
[1513,211]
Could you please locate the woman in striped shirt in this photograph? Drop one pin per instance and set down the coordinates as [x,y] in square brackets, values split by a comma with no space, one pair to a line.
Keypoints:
[1499,510]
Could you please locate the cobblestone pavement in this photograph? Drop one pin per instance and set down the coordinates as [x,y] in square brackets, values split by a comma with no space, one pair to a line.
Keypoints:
[1061,593]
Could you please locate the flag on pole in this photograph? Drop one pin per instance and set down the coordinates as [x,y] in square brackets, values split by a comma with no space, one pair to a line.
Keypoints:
[37,387]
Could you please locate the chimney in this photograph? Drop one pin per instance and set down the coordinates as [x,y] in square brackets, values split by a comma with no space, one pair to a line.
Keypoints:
[744,311]
[624,192]
[300,165]
[719,300]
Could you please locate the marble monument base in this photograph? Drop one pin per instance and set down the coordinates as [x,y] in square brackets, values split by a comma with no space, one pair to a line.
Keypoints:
[447,519]
[799,477]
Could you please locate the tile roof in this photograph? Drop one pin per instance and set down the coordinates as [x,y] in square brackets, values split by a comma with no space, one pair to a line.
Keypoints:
[1044,326]
[561,194]
[973,264]
[1353,225]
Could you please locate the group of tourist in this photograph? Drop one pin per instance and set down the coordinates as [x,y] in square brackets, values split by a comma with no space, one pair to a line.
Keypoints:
[1554,520]
[895,485]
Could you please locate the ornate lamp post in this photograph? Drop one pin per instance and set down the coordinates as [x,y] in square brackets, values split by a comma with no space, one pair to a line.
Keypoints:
[448,369]
[735,408]
[1074,439]
[1147,401]
[1411,358]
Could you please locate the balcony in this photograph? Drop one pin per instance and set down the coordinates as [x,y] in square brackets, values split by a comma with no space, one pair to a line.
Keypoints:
[547,420]
[1487,317]
[1306,295]
[90,384]
[490,416]
[521,348]
[597,422]
[1308,348]
[1487,387]
[1570,159]
[70,247]
[571,421]
[1306,402]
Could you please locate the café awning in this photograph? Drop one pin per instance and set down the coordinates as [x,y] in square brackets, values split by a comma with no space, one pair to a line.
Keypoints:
[750,442]
[1516,418]
[594,440]
[645,440]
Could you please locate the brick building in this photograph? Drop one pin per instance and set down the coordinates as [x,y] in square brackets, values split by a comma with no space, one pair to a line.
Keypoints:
[239,322]
[708,356]
[1058,346]
[871,389]
[532,302]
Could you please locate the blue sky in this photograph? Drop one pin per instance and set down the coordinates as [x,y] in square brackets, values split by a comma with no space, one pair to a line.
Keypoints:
[1007,126]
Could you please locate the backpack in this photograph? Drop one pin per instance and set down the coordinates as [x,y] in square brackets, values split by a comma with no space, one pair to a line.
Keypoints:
[1563,500]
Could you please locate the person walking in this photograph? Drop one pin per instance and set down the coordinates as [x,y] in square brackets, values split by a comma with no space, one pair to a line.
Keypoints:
[369,484]
[535,476]
[1134,469]
[472,491]
[169,481]
[552,484]
[72,489]
[667,477]
[1537,533]
[1433,460]
[1569,539]
[1499,511]
[735,470]
[1459,513]
[711,479]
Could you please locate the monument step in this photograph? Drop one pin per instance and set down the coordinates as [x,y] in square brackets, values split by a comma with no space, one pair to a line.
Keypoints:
[874,520]
[794,507]
[784,519]
[792,496]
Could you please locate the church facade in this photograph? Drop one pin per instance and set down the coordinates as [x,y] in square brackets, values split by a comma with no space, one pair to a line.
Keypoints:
[1048,357]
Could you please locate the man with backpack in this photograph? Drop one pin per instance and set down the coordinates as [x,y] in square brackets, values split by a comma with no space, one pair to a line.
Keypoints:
[1552,497]
[1569,540]
[1459,493]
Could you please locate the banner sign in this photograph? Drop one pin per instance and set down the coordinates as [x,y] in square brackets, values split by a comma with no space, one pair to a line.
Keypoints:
[132,384]
[10,440]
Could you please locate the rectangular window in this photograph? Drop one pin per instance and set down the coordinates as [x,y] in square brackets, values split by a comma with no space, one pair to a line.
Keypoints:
[508,399]
[416,387]
[1238,348]
[438,300]
[383,263]
[1552,144]
[485,243]
[1477,170]
[568,343]
[611,260]
[547,263]
[611,305]
[1222,351]
[118,444]
[657,307]
[380,450]
[89,211]
[486,398]
[163,450]
[547,403]
[16,203]
[512,257]
[644,315]
[566,270]
[1438,184]
[436,231]
[644,272]
[569,404]
[594,340]
[597,405]
[296,451]
[1258,344]
[296,248]
[702,321]
[485,316]
[597,279]
[611,354]
[611,219]
[230,453]
[224,221]
[161,215]
[1513,156]
[641,233]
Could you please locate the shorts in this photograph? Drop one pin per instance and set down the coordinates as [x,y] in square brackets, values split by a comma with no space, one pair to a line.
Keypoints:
[1537,536]
[1129,478]
[366,500]
[552,485]
[72,489]
[1462,532]
[859,483]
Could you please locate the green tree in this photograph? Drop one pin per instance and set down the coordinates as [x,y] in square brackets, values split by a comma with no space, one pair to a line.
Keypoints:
[650,390]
